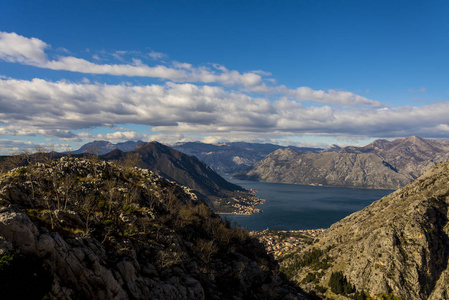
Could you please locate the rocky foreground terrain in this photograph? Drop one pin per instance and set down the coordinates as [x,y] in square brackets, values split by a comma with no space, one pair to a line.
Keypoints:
[398,247]
[84,229]
[382,164]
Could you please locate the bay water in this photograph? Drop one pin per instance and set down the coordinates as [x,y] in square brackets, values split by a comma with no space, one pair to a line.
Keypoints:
[295,207]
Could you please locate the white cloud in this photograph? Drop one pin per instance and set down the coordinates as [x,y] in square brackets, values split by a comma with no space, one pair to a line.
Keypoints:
[58,109]
[332,97]
[16,48]
[114,137]
[32,51]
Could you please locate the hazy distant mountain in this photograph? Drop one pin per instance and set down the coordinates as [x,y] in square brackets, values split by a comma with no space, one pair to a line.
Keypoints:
[232,157]
[103,147]
[398,245]
[381,164]
[186,170]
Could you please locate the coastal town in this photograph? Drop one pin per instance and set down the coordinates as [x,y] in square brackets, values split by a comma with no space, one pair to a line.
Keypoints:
[283,242]
[245,204]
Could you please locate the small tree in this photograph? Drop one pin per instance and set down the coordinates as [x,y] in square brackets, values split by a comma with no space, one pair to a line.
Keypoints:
[339,284]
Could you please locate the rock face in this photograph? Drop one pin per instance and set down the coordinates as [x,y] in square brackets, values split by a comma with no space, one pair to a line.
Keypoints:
[230,158]
[398,245]
[80,229]
[381,164]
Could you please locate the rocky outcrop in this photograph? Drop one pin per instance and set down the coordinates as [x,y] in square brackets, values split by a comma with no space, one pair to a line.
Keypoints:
[399,245]
[382,164]
[93,230]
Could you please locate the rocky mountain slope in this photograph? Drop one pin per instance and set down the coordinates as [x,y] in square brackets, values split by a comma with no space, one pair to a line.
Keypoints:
[230,158]
[382,164]
[397,246]
[188,170]
[85,229]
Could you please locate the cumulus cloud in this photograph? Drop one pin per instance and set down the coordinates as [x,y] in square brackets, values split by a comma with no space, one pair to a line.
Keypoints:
[32,51]
[333,97]
[114,137]
[58,109]
[17,48]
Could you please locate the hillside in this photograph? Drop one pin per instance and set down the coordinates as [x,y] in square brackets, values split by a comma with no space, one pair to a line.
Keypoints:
[382,164]
[188,170]
[84,229]
[399,245]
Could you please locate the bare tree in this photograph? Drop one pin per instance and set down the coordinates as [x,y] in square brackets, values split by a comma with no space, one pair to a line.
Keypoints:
[131,160]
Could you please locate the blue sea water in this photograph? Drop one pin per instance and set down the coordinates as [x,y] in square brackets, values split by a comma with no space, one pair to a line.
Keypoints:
[294,207]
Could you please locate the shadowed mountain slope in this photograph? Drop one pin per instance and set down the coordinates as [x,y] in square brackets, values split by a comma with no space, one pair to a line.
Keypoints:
[186,170]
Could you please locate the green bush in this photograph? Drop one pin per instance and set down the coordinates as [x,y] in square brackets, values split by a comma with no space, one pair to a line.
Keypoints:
[22,170]
[309,278]
[389,296]
[361,296]
[108,223]
[102,205]
[339,284]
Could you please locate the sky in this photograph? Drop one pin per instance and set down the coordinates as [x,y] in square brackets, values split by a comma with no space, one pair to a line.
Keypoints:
[304,73]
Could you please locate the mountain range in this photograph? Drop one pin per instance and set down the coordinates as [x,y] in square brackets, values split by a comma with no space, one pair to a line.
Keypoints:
[382,164]
[227,158]
[230,158]
[103,147]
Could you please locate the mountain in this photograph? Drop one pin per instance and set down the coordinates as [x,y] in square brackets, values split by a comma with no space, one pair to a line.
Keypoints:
[230,158]
[397,246]
[189,171]
[382,164]
[87,229]
[328,168]
[103,147]
[412,155]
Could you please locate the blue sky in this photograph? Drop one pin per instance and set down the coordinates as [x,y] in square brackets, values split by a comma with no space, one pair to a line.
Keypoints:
[289,72]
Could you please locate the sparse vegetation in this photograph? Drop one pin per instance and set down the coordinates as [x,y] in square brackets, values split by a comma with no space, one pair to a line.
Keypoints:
[339,284]
[128,210]
[314,259]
